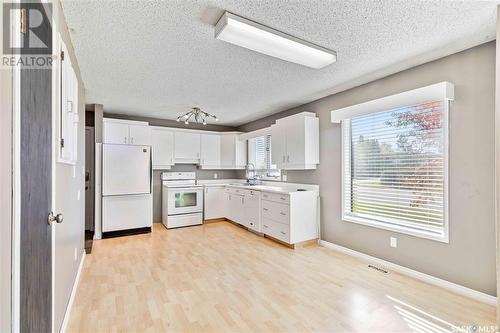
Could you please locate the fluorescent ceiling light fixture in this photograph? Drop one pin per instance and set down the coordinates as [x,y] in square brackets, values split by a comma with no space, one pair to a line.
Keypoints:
[257,37]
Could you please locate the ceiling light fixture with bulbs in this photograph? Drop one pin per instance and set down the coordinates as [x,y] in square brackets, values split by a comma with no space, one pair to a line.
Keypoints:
[240,31]
[197,115]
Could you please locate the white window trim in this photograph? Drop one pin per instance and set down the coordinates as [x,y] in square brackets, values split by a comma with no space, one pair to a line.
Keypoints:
[444,237]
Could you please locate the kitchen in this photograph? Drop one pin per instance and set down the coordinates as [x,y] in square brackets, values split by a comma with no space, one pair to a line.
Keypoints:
[133,150]
[242,166]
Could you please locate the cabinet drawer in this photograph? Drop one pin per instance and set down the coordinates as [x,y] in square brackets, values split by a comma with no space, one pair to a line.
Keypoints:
[275,211]
[235,190]
[283,198]
[277,230]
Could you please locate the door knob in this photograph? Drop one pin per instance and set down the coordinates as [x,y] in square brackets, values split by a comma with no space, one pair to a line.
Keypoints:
[55,218]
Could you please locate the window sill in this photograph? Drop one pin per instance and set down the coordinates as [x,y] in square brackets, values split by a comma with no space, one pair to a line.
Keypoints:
[443,238]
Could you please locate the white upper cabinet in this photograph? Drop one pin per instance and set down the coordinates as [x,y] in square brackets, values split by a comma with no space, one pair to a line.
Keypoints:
[126,132]
[210,150]
[187,147]
[162,141]
[115,132]
[233,151]
[295,142]
[139,135]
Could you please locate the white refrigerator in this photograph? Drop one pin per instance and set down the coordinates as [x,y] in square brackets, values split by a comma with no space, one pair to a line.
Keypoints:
[126,187]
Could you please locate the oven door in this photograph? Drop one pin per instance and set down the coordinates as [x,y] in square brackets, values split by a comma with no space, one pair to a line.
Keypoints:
[185,200]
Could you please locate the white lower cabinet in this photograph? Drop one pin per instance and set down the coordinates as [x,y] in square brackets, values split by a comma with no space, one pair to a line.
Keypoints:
[291,218]
[215,204]
[252,210]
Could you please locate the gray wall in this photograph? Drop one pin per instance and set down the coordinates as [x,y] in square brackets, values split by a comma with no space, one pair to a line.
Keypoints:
[170,123]
[200,174]
[469,258]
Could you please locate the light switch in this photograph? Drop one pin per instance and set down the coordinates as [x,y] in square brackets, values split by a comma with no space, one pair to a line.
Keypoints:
[394,242]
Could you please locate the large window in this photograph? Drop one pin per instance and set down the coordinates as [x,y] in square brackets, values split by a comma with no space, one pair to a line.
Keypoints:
[259,154]
[395,169]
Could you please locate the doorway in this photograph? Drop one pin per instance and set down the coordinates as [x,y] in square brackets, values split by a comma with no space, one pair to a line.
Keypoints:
[89,181]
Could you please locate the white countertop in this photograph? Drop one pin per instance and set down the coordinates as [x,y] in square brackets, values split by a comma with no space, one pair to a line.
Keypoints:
[266,186]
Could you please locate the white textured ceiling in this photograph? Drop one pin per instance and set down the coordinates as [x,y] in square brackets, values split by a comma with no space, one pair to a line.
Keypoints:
[160,58]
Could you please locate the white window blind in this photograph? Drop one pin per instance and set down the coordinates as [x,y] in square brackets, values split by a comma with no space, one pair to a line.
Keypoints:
[260,155]
[395,169]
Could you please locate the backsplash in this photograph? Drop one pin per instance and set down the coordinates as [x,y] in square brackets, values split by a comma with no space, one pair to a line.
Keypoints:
[200,174]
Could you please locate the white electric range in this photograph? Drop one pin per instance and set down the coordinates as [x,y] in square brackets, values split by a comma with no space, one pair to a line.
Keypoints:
[182,200]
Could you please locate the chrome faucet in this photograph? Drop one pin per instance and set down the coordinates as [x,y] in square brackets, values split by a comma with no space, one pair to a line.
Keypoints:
[249,169]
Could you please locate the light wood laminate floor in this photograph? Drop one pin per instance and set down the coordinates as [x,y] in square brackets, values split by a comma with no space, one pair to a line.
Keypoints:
[221,278]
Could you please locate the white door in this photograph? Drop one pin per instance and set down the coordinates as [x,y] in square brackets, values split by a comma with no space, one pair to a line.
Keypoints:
[187,146]
[278,145]
[126,169]
[252,210]
[210,150]
[214,207]
[115,132]
[139,135]
[162,142]
[229,206]
[227,151]
[126,212]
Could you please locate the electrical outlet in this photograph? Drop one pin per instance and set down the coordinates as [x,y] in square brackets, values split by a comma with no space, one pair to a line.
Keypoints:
[394,242]
[76,254]
[216,176]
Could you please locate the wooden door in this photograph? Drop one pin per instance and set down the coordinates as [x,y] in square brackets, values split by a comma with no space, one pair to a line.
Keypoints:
[36,193]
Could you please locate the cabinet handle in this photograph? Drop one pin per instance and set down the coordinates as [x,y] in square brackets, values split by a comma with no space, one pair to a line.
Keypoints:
[264,195]
[288,158]
[265,226]
[125,140]
[283,158]
[282,198]
[197,154]
[229,197]
[251,223]
[265,209]
[282,213]
[284,233]
[206,190]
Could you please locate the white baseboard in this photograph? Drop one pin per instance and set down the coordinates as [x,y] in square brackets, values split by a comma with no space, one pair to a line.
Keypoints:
[456,288]
[72,296]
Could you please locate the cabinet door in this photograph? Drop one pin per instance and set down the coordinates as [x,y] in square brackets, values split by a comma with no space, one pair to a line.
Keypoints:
[227,151]
[240,159]
[139,135]
[239,211]
[252,210]
[115,132]
[162,142]
[229,206]
[215,203]
[210,150]
[278,145]
[187,146]
[295,142]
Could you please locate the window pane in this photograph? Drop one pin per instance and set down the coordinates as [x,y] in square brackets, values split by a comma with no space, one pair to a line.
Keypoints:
[395,166]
